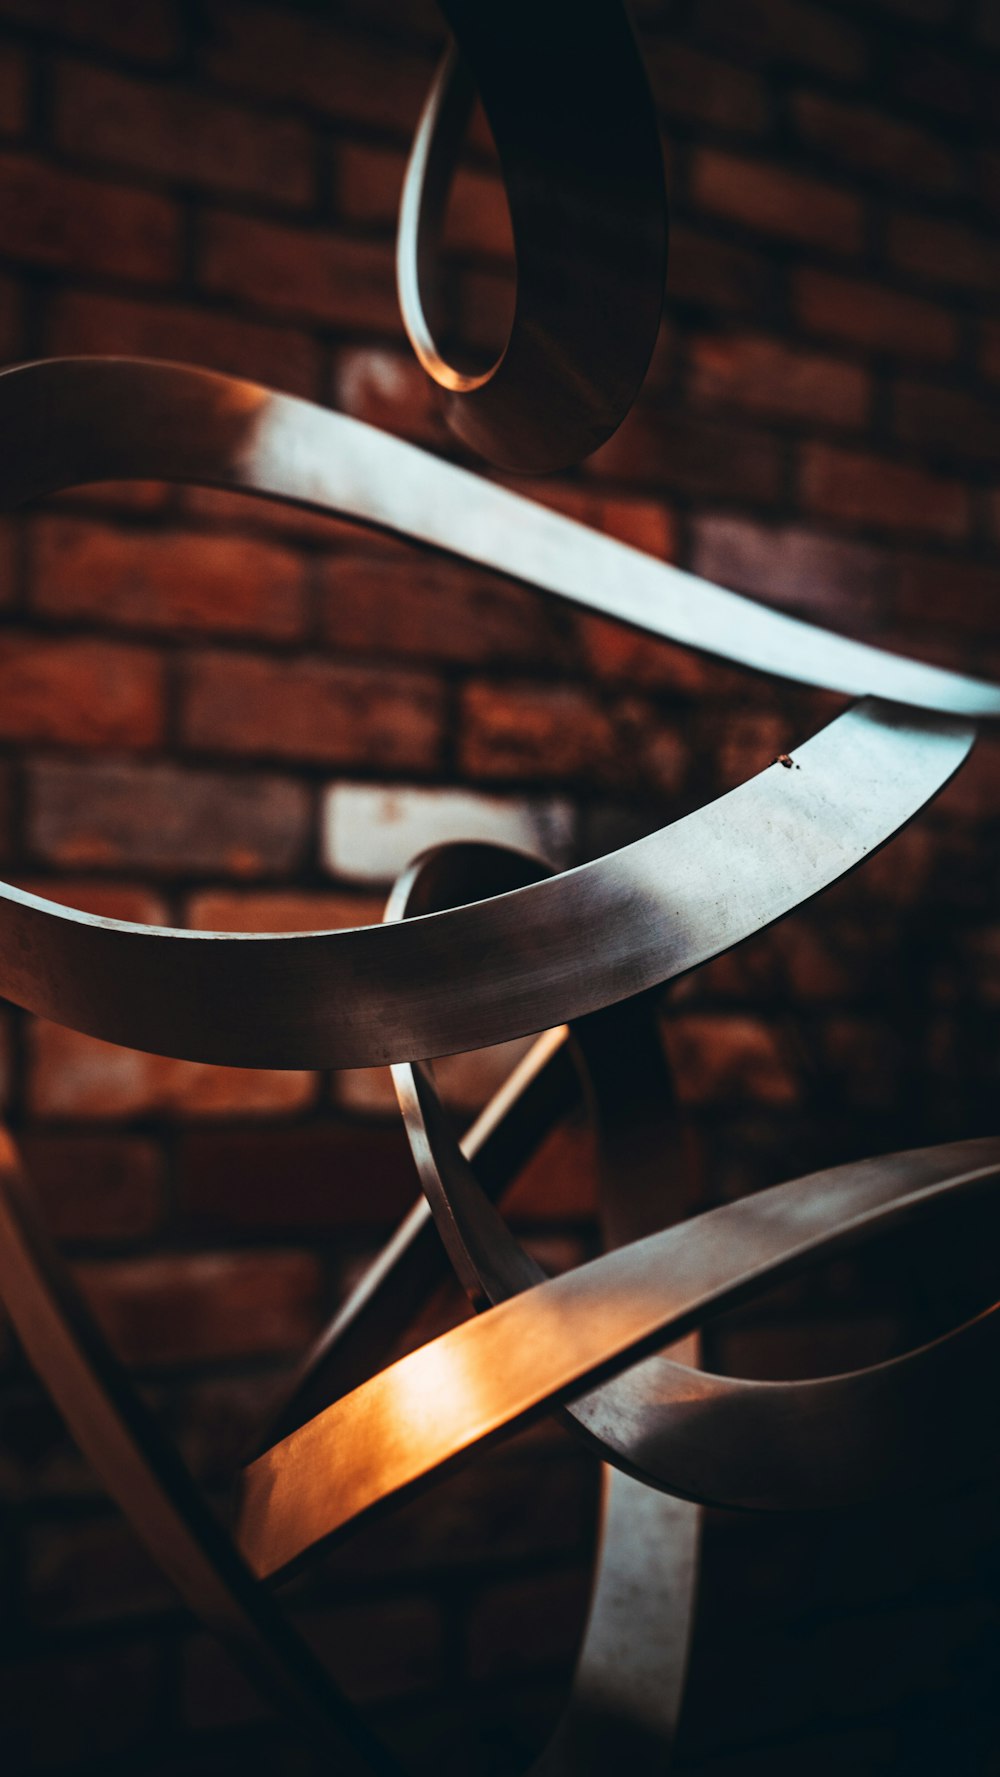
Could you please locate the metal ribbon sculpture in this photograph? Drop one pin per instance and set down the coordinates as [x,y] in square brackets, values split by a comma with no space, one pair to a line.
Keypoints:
[480,944]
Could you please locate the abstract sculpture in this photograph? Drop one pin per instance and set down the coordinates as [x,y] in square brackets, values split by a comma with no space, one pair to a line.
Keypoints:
[481,944]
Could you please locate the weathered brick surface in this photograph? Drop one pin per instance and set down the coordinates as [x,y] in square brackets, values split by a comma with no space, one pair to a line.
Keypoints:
[75,1076]
[164,818]
[179,134]
[789,205]
[764,376]
[423,606]
[335,714]
[242,716]
[53,217]
[83,322]
[169,584]
[184,1309]
[80,693]
[330,278]
[867,314]
[864,490]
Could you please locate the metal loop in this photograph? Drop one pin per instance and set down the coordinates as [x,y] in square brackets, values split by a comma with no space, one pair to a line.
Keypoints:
[567,100]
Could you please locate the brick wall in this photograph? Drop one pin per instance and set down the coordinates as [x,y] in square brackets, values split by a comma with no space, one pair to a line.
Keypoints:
[229,715]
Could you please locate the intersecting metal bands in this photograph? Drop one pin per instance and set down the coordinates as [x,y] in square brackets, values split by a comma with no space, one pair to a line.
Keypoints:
[469,976]
[480,944]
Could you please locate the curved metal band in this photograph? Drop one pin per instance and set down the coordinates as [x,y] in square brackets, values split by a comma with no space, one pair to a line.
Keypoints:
[560,1338]
[798,1447]
[67,421]
[474,975]
[629,1685]
[578,143]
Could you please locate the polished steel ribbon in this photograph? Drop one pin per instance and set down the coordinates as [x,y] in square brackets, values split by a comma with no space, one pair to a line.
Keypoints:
[480,945]
[468,976]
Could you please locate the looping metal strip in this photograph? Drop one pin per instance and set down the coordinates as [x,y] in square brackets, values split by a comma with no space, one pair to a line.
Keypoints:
[577,139]
[476,974]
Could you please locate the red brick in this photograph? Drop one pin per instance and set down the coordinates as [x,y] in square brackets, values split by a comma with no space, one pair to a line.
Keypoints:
[777,201]
[694,454]
[57,218]
[862,489]
[76,1076]
[280,910]
[533,731]
[329,712]
[697,88]
[529,731]
[435,609]
[165,818]
[146,33]
[940,590]
[721,1058]
[80,693]
[947,421]
[299,271]
[282,357]
[266,49]
[945,252]
[865,138]
[870,315]
[626,656]
[179,134]
[334,1174]
[717,274]
[190,1307]
[231,585]
[769,31]
[789,565]
[97,1187]
[766,376]
[385,389]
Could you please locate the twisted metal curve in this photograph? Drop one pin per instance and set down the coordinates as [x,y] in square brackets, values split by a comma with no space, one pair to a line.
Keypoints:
[473,975]
[446,978]
[579,149]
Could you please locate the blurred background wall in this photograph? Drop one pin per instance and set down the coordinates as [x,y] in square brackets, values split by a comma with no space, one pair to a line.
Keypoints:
[230,715]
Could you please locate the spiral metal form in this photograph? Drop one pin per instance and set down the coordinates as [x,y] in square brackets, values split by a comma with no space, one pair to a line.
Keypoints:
[481,944]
